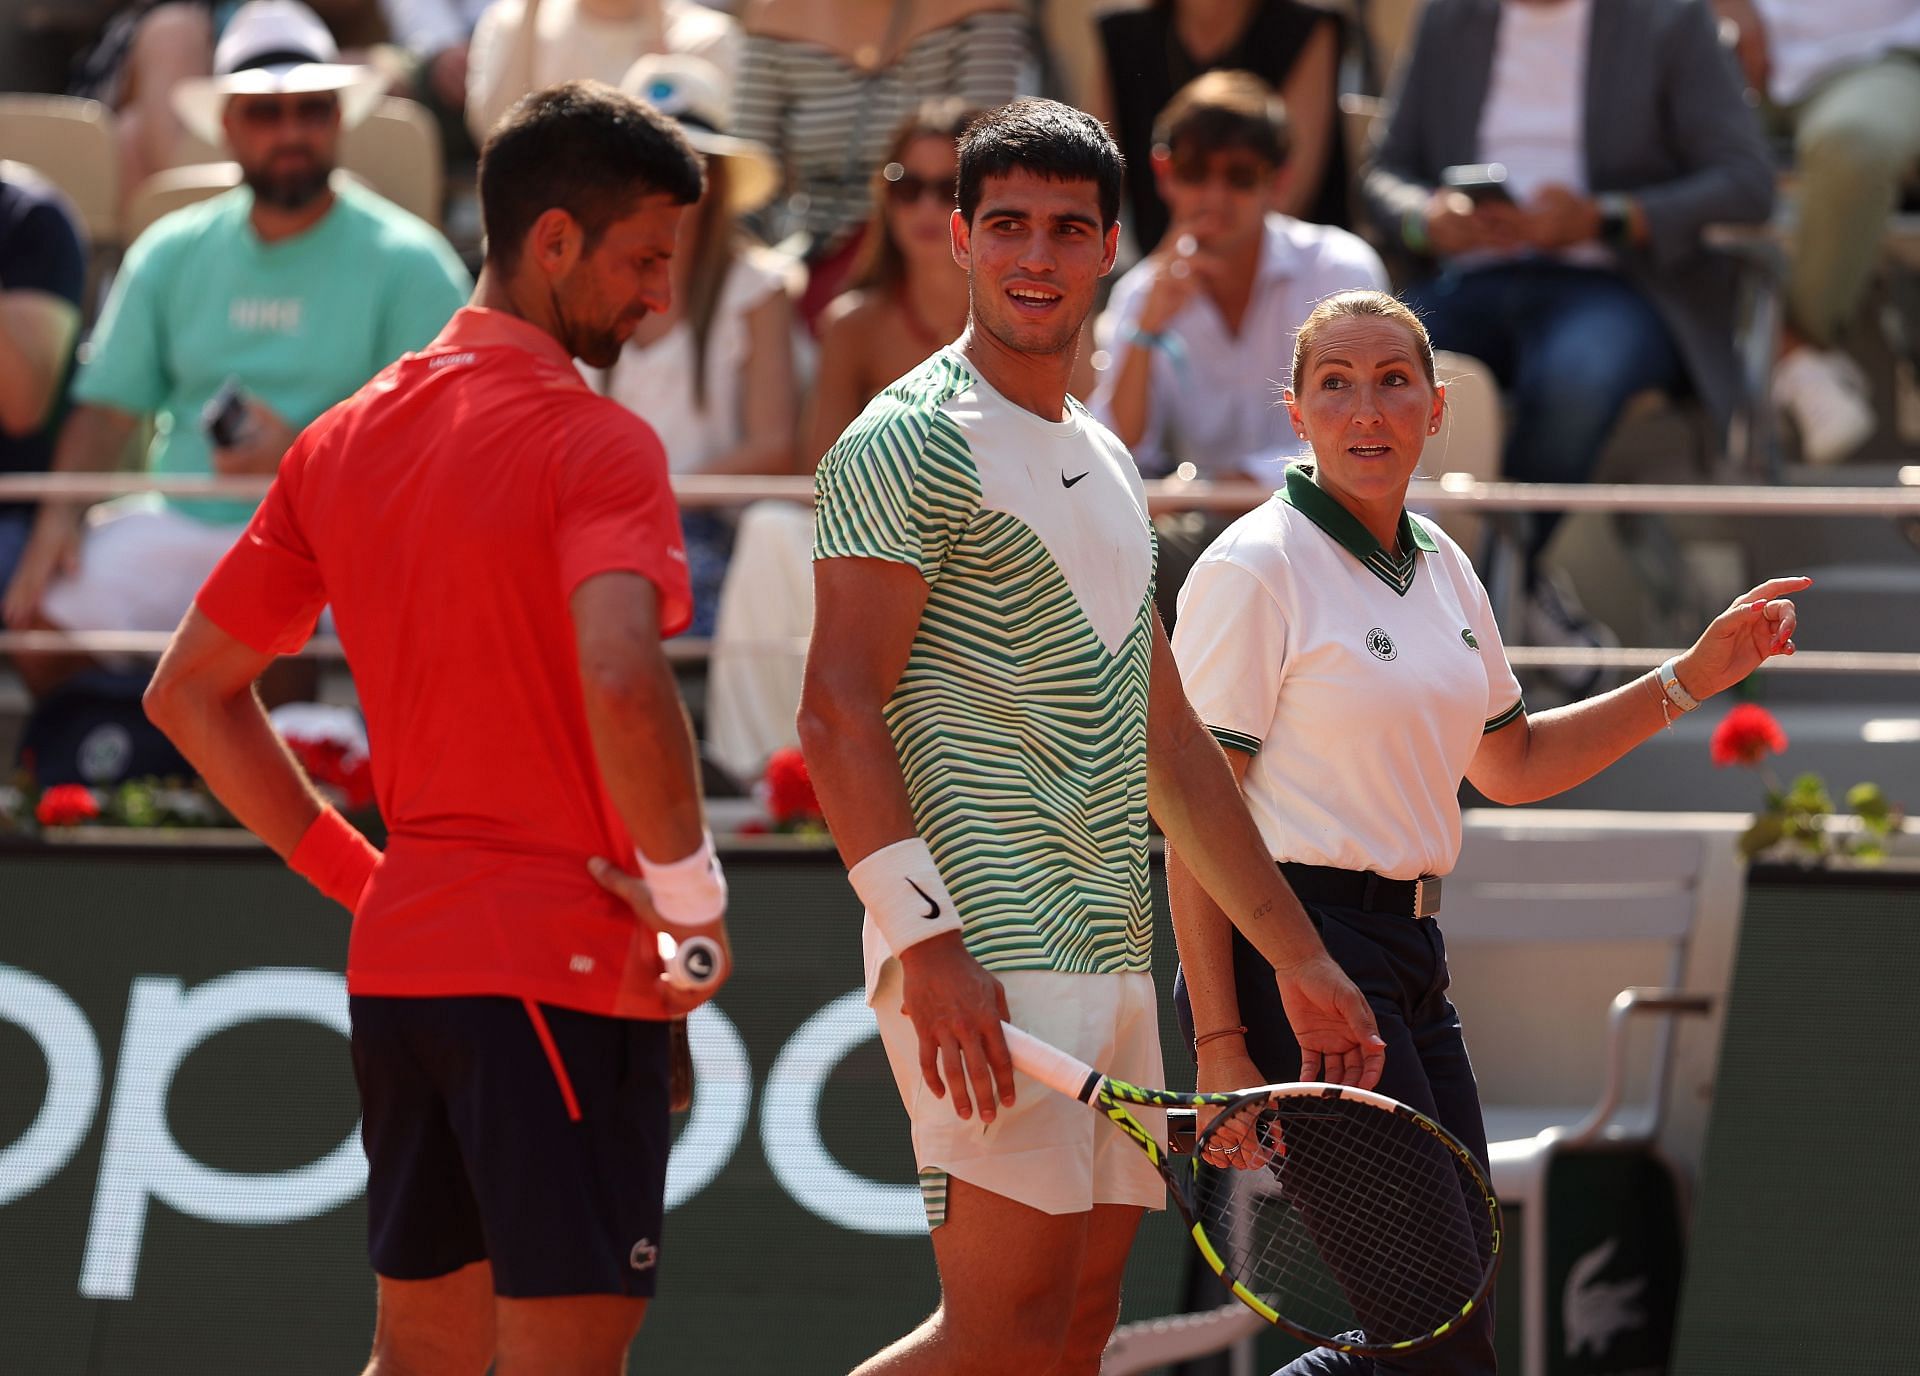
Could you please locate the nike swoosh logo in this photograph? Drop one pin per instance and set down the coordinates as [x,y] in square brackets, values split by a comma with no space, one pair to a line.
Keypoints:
[933,909]
[1065,481]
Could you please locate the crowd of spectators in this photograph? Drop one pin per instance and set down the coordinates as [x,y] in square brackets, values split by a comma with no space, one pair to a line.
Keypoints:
[1541,183]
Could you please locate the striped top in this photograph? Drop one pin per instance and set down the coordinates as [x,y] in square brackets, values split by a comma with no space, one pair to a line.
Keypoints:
[1020,720]
[829,123]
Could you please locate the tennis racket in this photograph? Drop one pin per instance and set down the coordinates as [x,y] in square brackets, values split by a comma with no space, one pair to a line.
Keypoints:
[1363,1226]
[690,964]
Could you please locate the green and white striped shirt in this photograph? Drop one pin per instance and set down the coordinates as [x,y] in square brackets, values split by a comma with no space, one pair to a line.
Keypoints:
[1021,717]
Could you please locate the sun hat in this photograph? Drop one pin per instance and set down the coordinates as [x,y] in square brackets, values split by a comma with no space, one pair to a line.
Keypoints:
[691,91]
[275,47]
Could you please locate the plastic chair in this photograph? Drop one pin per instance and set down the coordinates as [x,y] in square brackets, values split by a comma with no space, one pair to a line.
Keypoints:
[1599,887]
[175,189]
[71,142]
[397,152]
[1471,435]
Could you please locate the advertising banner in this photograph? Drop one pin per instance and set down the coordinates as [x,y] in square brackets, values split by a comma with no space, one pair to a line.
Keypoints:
[181,1179]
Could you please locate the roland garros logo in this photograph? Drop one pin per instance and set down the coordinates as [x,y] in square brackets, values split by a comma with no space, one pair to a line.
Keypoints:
[1380,644]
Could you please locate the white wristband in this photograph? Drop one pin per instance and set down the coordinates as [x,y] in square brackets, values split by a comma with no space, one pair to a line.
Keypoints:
[689,892]
[1676,691]
[904,894]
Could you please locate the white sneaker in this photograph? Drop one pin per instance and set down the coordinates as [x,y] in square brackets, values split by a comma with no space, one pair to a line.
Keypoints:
[1826,395]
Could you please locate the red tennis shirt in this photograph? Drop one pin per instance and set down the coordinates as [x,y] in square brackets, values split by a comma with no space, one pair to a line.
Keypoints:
[447,511]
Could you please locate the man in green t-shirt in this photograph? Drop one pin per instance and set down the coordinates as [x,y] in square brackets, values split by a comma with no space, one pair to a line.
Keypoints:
[296,287]
[990,708]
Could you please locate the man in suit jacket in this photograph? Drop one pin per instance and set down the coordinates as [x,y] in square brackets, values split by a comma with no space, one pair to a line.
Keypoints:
[1623,132]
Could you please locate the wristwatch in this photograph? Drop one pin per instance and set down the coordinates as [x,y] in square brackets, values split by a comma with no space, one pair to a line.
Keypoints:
[1671,685]
[1616,220]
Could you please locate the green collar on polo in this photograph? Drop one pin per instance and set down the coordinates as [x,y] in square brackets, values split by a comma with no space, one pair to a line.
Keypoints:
[1308,498]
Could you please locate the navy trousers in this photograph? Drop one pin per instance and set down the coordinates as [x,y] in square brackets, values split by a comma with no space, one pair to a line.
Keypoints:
[1570,347]
[1400,965]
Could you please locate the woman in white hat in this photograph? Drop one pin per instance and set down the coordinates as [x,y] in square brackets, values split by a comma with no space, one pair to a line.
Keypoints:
[714,374]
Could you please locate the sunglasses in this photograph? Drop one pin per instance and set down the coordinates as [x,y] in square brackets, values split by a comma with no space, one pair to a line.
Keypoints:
[1239,176]
[269,112]
[903,188]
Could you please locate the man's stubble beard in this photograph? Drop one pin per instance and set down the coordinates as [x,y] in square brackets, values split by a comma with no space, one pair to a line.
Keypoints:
[999,330]
[289,191]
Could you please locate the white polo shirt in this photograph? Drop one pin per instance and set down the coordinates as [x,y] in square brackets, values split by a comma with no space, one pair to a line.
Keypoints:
[1215,398]
[1360,682]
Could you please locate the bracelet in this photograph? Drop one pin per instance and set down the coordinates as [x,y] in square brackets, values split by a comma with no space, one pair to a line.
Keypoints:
[690,891]
[1660,696]
[1675,690]
[335,858]
[1158,340]
[1215,1035]
[904,894]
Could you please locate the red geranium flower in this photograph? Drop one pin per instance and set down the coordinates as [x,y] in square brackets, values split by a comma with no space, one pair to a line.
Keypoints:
[1746,736]
[790,796]
[330,763]
[66,805]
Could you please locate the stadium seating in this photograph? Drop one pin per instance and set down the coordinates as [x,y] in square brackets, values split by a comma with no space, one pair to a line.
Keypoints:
[71,143]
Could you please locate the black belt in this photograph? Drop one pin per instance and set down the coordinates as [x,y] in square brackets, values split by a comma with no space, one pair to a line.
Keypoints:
[1364,890]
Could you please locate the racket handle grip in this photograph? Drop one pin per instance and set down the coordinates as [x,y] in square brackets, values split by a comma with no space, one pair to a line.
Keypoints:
[690,964]
[1052,1067]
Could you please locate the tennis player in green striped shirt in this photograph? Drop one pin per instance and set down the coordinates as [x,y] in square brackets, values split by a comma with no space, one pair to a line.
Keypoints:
[990,710]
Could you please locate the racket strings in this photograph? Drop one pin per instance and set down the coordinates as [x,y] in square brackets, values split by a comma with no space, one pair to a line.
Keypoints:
[1366,1222]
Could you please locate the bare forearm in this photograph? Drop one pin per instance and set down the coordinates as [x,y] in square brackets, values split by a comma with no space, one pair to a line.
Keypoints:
[856,775]
[231,744]
[92,439]
[1204,937]
[26,388]
[644,744]
[1191,792]
[1569,745]
[1130,395]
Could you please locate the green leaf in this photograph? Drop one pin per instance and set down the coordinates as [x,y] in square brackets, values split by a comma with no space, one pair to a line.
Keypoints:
[1868,800]
[1810,792]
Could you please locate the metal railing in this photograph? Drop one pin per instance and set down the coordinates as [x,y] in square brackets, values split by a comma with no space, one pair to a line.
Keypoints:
[1451,493]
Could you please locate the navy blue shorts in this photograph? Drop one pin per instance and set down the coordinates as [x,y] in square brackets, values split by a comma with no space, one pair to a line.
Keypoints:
[532,1137]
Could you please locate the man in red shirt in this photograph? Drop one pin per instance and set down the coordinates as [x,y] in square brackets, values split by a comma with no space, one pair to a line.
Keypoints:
[502,555]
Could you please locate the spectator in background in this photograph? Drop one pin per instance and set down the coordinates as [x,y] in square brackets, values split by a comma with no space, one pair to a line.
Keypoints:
[714,373]
[824,83]
[1623,133]
[296,289]
[43,270]
[525,45]
[1844,78]
[1200,331]
[907,296]
[1291,45]
[144,51]
[435,36]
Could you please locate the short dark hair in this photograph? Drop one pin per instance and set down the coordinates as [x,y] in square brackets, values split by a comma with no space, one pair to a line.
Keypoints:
[1046,138]
[584,148]
[1225,110]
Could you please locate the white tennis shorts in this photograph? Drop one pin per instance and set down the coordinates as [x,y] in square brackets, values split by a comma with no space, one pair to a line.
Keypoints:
[1047,1151]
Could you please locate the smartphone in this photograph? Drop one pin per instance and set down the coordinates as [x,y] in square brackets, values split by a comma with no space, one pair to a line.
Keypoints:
[1483,183]
[224,417]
